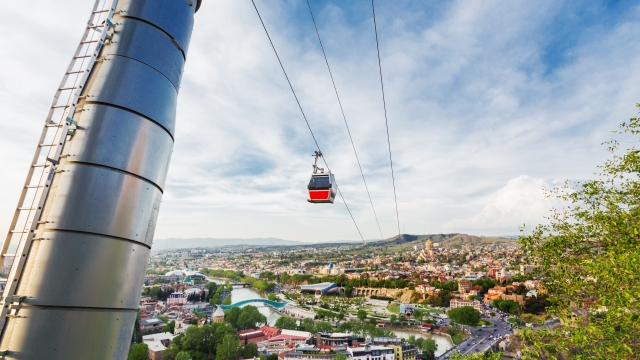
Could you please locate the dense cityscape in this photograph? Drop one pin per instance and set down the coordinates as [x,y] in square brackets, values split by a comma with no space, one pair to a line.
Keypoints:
[401,299]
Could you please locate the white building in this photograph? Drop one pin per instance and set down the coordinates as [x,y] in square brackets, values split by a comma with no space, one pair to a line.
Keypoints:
[177,298]
[370,352]
[157,344]
[456,303]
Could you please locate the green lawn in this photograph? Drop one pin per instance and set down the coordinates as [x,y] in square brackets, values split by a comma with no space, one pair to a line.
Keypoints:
[429,309]
[484,322]
[512,320]
[394,308]
[458,337]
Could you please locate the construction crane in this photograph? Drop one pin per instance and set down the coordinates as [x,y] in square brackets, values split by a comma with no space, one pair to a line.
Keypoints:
[81,234]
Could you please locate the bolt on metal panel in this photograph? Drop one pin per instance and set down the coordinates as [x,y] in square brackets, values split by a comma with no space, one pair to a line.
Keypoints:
[120,139]
[103,201]
[169,15]
[151,94]
[100,272]
[143,42]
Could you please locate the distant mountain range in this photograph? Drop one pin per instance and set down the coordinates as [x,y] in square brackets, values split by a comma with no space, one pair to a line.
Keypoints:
[165,244]
[405,240]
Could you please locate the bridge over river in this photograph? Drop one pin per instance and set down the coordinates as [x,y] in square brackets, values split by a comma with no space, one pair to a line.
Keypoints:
[273,304]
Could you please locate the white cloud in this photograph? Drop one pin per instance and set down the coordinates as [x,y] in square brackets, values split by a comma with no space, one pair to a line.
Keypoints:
[522,202]
[472,105]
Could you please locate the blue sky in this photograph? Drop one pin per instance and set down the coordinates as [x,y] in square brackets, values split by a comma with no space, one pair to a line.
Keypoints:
[488,102]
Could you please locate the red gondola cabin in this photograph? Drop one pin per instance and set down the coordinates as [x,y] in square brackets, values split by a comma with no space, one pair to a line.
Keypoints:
[322,188]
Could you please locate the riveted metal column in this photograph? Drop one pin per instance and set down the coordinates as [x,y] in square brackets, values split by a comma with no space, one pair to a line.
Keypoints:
[84,271]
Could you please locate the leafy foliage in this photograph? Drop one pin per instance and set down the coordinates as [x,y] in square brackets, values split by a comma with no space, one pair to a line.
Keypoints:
[244,318]
[228,350]
[362,314]
[589,258]
[340,356]
[508,306]
[478,356]
[286,323]
[183,355]
[464,315]
[138,352]
[428,346]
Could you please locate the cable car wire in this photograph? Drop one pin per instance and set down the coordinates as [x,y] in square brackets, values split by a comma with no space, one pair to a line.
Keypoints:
[345,118]
[304,116]
[386,121]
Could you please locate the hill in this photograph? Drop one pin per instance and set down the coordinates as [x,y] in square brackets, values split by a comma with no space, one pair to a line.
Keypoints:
[408,240]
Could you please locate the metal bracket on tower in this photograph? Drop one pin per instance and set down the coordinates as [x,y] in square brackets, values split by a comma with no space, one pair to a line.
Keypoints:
[16,299]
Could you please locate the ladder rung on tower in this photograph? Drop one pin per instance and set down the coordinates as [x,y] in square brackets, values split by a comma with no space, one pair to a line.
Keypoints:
[44,163]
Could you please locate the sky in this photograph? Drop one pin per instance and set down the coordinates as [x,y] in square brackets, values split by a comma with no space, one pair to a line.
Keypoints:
[487,103]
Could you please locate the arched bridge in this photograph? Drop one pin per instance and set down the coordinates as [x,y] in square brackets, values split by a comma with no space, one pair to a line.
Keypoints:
[275,304]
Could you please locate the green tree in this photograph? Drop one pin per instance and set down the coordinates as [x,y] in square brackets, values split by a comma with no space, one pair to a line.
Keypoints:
[478,356]
[228,286]
[138,352]
[428,347]
[323,326]
[464,315]
[588,257]
[226,301]
[362,314]
[248,350]
[308,325]
[232,316]
[418,314]
[169,327]
[340,356]
[272,297]
[215,299]
[392,319]
[228,349]
[183,355]
[250,317]
[286,323]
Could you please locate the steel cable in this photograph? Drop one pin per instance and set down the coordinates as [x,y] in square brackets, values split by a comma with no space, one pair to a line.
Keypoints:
[386,121]
[305,116]
[344,117]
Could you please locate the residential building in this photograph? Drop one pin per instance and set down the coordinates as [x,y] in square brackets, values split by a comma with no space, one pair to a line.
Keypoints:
[177,298]
[151,324]
[157,344]
[456,303]
[371,352]
[334,339]
[308,354]
[464,286]
[401,351]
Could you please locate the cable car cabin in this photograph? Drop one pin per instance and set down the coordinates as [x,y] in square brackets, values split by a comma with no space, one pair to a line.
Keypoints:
[322,188]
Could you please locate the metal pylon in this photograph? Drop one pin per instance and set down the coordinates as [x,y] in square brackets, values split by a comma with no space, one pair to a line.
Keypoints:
[58,127]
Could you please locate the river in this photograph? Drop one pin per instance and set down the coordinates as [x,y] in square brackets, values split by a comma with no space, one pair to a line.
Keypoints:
[240,293]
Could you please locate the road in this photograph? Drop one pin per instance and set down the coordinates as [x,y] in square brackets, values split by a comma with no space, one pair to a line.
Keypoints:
[478,340]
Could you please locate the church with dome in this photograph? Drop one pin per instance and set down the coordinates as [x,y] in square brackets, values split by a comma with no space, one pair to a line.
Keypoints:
[428,253]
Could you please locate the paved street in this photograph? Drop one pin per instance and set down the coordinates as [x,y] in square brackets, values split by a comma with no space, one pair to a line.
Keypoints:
[481,338]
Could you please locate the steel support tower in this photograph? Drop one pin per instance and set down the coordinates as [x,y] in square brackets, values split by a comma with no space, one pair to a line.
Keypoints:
[84,224]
